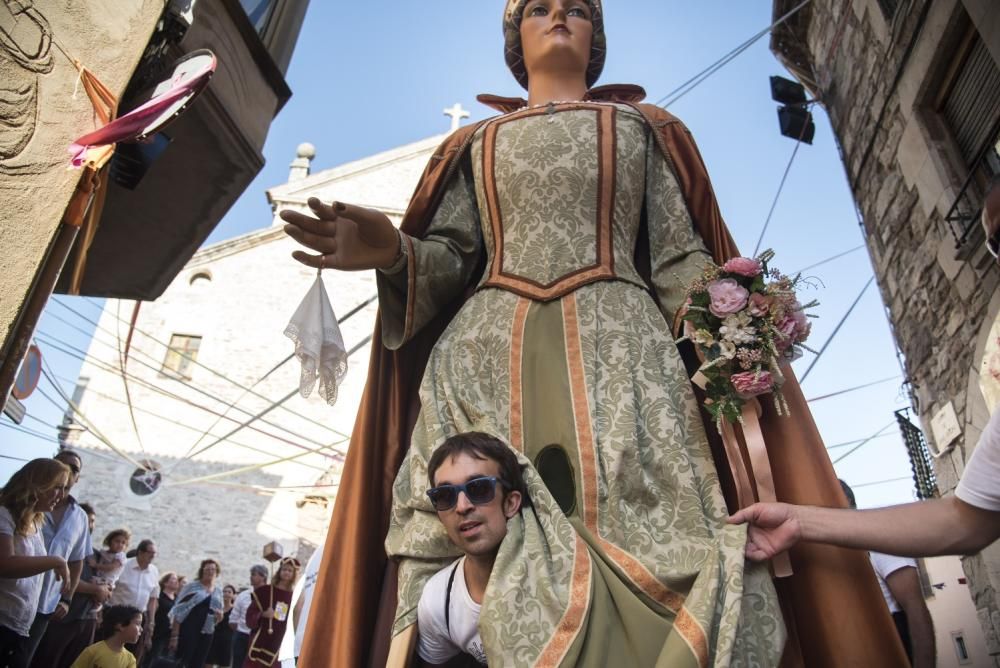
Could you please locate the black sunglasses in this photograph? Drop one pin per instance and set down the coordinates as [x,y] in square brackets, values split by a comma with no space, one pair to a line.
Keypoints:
[478,491]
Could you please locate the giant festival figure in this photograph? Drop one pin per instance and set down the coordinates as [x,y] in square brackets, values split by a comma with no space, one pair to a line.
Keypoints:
[532,292]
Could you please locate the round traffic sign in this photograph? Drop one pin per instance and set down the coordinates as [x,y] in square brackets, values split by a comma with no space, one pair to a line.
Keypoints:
[27,377]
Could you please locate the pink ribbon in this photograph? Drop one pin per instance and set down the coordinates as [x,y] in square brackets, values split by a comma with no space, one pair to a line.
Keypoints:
[131,124]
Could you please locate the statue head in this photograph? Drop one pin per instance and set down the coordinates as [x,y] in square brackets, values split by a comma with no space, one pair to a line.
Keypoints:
[514,48]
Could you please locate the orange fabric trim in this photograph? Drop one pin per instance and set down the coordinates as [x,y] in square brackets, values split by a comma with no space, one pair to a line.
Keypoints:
[607,161]
[576,611]
[493,197]
[640,576]
[690,630]
[516,357]
[604,268]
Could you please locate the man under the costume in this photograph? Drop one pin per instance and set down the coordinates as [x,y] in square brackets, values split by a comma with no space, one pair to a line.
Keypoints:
[533,294]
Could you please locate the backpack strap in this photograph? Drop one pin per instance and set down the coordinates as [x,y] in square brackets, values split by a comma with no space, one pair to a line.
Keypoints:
[447,597]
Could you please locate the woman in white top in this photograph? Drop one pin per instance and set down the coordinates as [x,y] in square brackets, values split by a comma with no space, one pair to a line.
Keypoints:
[31,492]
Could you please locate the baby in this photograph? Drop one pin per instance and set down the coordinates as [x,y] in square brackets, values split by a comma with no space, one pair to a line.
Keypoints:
[108,564]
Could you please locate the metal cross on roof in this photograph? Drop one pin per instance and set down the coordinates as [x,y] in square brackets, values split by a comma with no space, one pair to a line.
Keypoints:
[457,114]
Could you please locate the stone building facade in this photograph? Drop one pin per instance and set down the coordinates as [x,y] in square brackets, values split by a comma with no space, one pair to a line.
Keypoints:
[244,459]
[912,89]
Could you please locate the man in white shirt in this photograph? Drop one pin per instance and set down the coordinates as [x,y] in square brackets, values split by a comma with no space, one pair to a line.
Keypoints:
[465,473]
[139,587]
[899,581]
[238,615]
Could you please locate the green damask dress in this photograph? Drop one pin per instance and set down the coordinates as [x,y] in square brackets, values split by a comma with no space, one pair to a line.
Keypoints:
[624,556]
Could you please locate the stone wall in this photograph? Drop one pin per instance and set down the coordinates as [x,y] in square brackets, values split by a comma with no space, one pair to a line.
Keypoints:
[44,110]
[193,523]
[875,77]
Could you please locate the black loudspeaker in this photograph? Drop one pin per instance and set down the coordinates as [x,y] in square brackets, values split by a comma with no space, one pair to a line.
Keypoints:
[797,123]
[132,160]
[787,91]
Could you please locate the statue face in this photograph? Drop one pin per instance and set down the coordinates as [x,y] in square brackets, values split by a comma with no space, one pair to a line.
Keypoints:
[556,36]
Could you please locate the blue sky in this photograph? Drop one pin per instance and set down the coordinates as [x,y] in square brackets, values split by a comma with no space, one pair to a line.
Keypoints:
[369,76]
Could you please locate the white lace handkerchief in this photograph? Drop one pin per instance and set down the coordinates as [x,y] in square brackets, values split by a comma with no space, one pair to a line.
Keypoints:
[319,346]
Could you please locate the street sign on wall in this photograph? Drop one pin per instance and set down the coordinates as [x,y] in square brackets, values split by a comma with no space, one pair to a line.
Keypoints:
[27,377]
[14,409]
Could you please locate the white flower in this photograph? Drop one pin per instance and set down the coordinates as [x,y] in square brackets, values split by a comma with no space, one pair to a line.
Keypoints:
[727,349]
[737,329]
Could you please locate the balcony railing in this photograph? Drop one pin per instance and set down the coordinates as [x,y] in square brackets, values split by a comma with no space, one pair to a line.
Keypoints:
[963,216]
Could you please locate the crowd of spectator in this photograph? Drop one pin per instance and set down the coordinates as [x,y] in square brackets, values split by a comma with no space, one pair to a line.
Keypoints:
[65,603]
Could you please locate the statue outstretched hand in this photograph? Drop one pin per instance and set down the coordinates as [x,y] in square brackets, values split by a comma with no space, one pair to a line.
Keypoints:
[774,528]
[346,237]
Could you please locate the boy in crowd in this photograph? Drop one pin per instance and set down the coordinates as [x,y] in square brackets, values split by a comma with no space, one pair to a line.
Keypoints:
[476,487]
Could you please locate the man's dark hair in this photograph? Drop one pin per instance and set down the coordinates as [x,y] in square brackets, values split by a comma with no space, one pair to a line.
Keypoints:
[65,453]
[849,493]
[144,544]
[87,508]
[117,615]
[481,446]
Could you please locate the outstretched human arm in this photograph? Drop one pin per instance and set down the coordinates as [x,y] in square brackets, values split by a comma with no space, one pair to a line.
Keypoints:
[904,585]
[13,566]
[923,529]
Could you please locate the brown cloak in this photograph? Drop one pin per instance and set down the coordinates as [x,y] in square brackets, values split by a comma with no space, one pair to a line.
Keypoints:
[833,607]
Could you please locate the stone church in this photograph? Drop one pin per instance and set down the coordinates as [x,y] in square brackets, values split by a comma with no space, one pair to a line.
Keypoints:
[201,439]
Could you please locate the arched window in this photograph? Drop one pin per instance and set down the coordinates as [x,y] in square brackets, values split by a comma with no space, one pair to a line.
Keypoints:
[201,277]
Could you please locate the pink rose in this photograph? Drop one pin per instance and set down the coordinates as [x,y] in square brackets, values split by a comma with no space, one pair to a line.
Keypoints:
[759,305]
[751,383]
[728,297]
[786,329]
[802,325]
[743,266]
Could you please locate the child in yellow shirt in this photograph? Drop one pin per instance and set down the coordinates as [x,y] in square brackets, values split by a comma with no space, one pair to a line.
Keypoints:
[120,625]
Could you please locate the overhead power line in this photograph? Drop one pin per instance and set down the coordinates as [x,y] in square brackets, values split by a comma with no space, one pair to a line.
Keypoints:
[853,389]
[219,415]
[777,195]
[82,356]
[175,423]
[156,367]
[854,442]
[692,83]
[83,418]
[881,482]
[218,374]
[836,330]
[829,259]
[864,443]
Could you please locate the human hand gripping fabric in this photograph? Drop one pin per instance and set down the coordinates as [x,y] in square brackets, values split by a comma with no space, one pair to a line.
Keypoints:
[346,236]
[773,529]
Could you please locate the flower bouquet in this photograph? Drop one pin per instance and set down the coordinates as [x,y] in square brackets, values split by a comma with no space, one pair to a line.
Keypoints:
[745,320]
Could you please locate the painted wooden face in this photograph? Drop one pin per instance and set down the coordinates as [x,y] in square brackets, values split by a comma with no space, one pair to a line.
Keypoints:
[557,35]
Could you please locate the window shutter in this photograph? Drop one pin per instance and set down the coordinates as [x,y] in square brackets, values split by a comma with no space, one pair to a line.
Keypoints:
[973,103]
